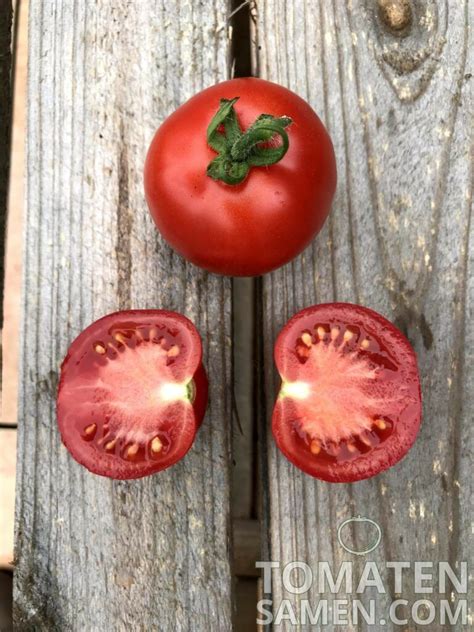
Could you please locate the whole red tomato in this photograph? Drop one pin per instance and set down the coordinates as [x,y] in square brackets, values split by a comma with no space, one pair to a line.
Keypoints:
[236,192]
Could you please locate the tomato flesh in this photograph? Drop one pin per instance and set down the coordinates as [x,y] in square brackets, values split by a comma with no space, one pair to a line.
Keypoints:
[350,401]
[132,393]
[265,221]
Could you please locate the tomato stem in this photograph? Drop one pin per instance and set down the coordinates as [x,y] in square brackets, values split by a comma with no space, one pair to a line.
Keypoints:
[239,151]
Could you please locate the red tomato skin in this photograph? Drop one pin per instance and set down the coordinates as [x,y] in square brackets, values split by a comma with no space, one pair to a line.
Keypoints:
[260,224]
[106,465]
[381,458]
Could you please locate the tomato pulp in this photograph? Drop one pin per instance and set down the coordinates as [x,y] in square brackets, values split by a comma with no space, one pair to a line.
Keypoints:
[132,393]
[350,400]
[274,212]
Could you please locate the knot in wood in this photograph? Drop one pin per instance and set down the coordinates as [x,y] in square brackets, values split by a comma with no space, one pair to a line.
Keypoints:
[395,14]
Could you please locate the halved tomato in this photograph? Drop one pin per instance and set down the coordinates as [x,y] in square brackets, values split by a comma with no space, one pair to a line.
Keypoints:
[132,393]
[350,400]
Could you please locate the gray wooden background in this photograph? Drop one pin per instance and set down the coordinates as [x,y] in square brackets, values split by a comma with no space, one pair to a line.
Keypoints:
[5,124]
[399,107]
[392,82]
[93,554]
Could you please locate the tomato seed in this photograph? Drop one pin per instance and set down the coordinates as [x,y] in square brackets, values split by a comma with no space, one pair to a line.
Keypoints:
[173,352]
[380,423]
[120,338]
[131,451]
[321,332]
[315,447]
[90,430]
[351,447]
[365,344]
[99,348]
[306,339]
[110,445]
[366,440]
[348,335]
[156,445]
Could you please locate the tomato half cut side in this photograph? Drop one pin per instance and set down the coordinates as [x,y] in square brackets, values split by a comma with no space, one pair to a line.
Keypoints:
[349,405]
[132,393]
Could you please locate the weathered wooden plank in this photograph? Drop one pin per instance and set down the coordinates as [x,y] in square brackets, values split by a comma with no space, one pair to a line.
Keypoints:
[92,554]
[395,90]
[7,494]
[14,228]
[5,122]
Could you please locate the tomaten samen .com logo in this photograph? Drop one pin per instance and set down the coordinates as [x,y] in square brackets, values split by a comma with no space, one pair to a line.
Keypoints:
[374,592]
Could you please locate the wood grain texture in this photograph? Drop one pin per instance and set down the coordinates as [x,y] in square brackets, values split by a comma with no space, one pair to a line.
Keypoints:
[5,123]
[399,107]
[7,495]
[14,229]
[94,554]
